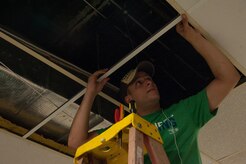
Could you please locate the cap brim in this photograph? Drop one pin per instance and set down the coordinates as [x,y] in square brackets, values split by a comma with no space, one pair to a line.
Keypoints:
[147,67]
[144,66]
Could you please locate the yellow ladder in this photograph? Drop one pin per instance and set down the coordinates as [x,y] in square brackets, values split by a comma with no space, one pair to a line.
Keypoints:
[125,142]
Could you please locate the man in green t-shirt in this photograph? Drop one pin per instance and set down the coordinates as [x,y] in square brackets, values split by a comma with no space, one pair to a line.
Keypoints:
[180,123]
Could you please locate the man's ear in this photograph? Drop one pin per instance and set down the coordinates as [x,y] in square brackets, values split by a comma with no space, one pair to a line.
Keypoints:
[128,98]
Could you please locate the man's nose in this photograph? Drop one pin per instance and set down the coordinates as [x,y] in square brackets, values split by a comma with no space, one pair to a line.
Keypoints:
[148,82]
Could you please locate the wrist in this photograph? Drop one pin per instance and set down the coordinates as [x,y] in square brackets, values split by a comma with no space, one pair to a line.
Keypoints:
[90,94]
[194,37]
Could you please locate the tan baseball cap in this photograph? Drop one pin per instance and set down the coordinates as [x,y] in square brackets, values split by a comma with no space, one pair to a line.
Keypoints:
[144,66]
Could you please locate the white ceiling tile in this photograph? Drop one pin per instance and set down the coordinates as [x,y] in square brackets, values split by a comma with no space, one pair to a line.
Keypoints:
[225,134]
[207,160]
[238,158]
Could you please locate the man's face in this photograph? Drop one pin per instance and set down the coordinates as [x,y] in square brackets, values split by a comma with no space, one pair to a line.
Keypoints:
[143,89]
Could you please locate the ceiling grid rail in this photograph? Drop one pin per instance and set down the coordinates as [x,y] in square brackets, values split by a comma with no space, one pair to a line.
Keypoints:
[56,67]
[68,74]
[52,57]
[162,44]
[52,65]
[109,72]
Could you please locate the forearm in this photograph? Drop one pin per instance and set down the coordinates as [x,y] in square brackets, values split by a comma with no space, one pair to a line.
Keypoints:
[80,126]
[219,64]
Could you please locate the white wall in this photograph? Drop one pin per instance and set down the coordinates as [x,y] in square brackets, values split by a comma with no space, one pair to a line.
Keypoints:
[15,149]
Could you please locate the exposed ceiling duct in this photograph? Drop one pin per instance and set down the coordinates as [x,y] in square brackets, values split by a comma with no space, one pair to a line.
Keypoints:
[27,104]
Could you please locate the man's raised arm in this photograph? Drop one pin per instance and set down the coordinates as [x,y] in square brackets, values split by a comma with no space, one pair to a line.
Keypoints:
[226,76]
[80,126]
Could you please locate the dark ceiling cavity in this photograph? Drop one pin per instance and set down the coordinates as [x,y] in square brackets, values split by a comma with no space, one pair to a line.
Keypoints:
[82,37]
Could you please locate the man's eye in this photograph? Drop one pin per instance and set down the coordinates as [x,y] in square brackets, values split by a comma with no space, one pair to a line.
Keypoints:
[138,82]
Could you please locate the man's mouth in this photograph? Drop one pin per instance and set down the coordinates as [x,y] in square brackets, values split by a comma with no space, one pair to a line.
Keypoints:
[152,89]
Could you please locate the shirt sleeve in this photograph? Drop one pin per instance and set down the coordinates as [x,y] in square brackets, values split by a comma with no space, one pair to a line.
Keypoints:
[198,106]
[100,131]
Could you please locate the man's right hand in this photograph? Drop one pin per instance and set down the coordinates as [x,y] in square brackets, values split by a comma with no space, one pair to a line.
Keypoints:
[94,86]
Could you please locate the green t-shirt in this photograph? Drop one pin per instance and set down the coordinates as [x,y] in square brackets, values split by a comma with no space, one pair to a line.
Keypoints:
[181,122]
